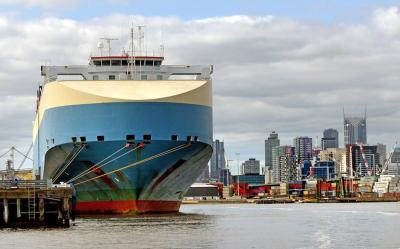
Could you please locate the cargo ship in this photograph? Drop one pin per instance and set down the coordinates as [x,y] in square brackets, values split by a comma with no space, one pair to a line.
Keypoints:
[128,132]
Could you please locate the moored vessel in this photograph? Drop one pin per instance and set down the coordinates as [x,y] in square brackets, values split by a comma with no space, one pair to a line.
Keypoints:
[131,135]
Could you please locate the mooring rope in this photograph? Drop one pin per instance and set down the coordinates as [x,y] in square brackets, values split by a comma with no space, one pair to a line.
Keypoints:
[182,146]
[99,165]
[68,163]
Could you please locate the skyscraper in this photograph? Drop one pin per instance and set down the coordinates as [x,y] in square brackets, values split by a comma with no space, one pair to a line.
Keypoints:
[217,159]
[330,139]
[271,142]
[283,162]
[355,130]
[394,164]
[381,149]
[303,148]
[251,167]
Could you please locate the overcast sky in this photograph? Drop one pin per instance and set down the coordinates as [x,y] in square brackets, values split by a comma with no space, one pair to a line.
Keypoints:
[278,66]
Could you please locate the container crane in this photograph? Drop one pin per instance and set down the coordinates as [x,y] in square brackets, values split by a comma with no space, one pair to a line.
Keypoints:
[386,165]
[369,170]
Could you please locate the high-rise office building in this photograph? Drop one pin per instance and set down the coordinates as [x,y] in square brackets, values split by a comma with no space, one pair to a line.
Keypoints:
[225,176]
[325,170]
[337,155]
[330,139]
[282,158]
[355,130]
[381,149]
[251,167]
[394,164]
[217,159]
[271,142]
[303,149]
[288,168]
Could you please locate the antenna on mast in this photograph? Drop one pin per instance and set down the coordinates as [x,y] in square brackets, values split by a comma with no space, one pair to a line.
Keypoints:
[108,40]
[141,37]
[100,46]
[132,61]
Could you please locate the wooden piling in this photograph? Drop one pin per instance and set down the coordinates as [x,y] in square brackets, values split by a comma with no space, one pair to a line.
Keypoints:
[18,208]
[35,203]
[5,212]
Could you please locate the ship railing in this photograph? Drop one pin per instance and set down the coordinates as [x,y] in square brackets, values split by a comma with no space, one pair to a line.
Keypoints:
[25,184]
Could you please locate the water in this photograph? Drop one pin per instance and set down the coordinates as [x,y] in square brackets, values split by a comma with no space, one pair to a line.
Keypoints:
[347,225]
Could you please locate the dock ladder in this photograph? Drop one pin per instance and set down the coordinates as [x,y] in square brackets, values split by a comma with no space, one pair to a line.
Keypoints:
[31,203]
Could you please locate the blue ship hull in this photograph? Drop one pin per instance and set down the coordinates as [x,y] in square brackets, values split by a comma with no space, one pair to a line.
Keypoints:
[90,141]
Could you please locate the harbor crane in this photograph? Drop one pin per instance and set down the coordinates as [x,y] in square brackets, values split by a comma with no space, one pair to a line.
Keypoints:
[386,165]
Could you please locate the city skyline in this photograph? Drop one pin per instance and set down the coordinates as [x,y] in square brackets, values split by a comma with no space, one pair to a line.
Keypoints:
[296,71]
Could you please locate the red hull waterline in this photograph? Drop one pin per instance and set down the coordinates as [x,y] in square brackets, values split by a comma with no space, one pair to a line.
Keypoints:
[127,206]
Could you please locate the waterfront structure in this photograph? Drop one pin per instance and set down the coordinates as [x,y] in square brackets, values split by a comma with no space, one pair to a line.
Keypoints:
[202,191]
[217,162]
[330,139]
[355,130]
[282,156]
[271,142]
[249,179]
[251,167]
[132,135]
[303,149]
[361,160]
[325,170]
[337,155]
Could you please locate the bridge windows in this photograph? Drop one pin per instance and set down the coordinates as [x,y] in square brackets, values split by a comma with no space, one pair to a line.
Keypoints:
[73,139]
[147,138]
[83,139]
[189,138]
[174,137]
[105,63]
[100,138]
[115,63]
[130,138]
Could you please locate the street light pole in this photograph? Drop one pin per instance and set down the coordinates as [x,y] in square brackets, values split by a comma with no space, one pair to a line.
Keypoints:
[238,181]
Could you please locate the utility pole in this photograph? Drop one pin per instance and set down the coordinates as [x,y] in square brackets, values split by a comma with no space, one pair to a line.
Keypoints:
[238,181]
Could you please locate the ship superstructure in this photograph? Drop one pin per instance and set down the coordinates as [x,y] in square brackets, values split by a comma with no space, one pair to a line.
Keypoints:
[131,135]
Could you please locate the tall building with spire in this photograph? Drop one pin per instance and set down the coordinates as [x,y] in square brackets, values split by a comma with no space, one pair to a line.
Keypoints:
[355,129]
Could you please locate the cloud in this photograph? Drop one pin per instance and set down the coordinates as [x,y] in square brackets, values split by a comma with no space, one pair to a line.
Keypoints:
[271,73]
[388,20]
[38,3]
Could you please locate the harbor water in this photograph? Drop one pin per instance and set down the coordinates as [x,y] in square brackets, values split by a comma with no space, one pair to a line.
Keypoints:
[336,225]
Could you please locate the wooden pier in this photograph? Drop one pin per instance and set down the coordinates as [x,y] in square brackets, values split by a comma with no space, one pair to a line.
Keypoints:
[29,203]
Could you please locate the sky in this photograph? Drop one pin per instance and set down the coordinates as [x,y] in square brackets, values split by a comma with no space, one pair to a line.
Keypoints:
[288,66]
